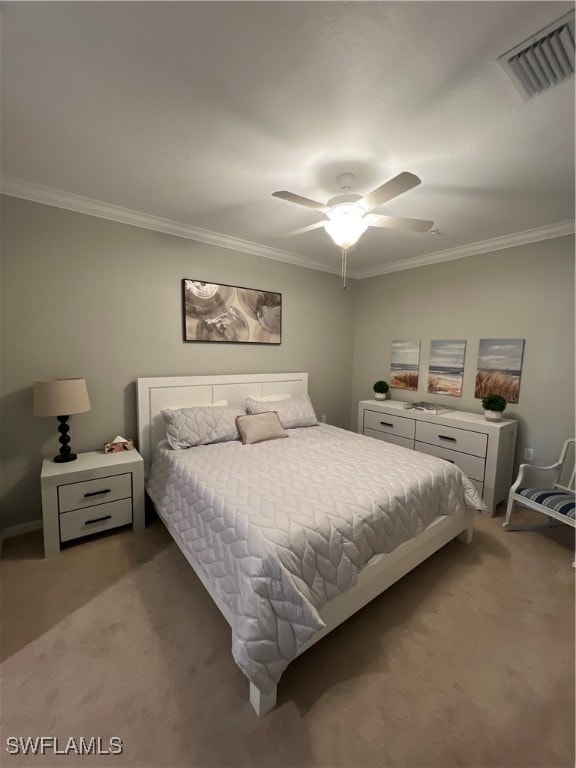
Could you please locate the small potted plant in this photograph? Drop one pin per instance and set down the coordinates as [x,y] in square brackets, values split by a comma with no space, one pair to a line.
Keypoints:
[493,406]
[380,390]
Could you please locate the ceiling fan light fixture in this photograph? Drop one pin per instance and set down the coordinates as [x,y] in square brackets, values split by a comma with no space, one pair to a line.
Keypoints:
[346,225]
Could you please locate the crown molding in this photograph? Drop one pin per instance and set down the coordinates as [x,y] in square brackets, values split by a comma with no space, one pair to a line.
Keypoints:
[72,202]
[560,229]
[37,193]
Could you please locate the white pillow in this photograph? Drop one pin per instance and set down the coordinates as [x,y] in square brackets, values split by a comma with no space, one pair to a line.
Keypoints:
[204,405]
[294,412]
[187,427]
[270,398]
[259,427]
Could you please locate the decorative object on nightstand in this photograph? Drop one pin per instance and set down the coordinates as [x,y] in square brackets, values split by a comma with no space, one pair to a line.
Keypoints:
[380,390]
[493,406]
[118,445]
[96,493]
[61,398]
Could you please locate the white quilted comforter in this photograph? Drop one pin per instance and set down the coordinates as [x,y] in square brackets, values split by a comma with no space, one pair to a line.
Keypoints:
[281,527]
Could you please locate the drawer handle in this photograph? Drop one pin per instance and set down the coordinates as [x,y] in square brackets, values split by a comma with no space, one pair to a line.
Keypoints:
[96,493]
[386,424]
[98,520]
[445,437]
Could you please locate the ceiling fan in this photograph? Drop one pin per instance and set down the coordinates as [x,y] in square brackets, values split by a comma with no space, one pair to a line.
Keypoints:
[348,215]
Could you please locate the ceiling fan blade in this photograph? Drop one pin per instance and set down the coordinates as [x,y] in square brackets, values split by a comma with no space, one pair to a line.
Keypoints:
[299,200]
[391,189]
[400,223]
[301,231]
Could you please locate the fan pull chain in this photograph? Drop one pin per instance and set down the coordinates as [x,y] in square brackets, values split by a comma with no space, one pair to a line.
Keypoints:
[344,265]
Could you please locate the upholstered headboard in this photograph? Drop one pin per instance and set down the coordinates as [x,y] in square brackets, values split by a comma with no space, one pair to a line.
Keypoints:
[157,393]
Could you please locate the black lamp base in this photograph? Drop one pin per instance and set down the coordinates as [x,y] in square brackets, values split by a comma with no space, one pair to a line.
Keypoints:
[65,450]
[59,459]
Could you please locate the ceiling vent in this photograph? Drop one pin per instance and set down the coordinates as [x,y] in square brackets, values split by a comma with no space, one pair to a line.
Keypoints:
[544,60]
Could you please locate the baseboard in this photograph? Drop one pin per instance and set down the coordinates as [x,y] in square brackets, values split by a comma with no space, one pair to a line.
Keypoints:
[19,530]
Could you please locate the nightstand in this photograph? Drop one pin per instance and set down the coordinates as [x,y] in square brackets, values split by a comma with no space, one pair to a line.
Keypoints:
[95,493]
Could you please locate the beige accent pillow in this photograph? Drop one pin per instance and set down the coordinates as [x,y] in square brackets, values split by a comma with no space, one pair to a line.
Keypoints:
[259,427]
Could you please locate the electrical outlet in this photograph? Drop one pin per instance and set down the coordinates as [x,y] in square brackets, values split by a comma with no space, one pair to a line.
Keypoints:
[529,454]
[324,417]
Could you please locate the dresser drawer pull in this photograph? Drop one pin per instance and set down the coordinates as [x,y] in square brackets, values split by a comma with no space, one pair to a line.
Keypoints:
[445,437]
[386,424]
[96,493]
[98,520]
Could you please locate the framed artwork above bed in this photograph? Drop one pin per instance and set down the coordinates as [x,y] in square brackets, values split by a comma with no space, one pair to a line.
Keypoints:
[215,312]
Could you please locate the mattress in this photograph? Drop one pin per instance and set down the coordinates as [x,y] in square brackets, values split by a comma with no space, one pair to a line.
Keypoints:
[281,527]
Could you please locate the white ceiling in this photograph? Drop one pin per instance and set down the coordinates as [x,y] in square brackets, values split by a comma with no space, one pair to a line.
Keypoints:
[197,111]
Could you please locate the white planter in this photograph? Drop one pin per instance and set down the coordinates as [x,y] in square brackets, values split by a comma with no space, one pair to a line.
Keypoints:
[493,415]
[380,395]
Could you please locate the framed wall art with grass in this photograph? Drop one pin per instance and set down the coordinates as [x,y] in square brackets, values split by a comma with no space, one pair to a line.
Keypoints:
[404,365]
[446,367]
[499,368]
[214,312]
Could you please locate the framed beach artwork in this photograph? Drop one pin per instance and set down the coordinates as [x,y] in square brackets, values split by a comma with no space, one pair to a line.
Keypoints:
[446,367]
[404,364]
[229,313]
[499,368]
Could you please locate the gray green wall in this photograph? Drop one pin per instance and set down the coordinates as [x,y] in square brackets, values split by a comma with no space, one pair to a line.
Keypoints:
[87,297]
[83,296]
[525,292]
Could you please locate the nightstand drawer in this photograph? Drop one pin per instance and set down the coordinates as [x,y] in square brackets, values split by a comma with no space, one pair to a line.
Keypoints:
[472,466]
[383,422]
[451,437]
[386,437]
[83,522]
[90,492]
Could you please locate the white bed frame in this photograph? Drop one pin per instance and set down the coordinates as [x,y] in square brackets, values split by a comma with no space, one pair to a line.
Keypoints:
[157,393]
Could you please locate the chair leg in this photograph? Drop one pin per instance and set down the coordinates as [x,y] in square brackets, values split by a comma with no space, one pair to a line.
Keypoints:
[509,508]
[550,522]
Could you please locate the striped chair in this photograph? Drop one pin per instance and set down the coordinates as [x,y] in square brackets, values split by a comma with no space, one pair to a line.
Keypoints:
[549,490]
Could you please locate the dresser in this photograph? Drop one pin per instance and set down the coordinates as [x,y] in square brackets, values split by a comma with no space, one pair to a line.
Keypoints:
[483,450]
[96,492]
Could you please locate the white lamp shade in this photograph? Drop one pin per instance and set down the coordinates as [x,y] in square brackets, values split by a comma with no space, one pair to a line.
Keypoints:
[60,397]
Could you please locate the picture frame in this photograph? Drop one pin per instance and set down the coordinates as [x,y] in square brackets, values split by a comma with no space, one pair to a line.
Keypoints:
[230,314]
[446,367]
[404,364]
[499,368]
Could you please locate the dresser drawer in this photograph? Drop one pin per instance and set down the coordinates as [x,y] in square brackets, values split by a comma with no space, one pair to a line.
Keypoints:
[101,517]
[451,437]
[90,492]
[473,466]
[384,422]
[388,437]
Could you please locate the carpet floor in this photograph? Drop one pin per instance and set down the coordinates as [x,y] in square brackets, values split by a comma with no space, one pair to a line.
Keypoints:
[467,661]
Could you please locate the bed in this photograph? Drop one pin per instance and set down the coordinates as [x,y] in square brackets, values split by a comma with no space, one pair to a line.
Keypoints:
[291,537]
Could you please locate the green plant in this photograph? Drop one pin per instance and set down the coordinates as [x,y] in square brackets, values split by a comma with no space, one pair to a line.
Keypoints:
[493,402]
[381,387]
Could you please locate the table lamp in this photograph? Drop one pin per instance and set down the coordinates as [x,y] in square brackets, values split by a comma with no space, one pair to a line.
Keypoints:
[61,398]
